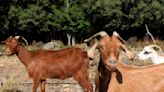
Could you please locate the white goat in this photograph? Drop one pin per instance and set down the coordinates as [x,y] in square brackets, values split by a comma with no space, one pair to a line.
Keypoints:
[149,52]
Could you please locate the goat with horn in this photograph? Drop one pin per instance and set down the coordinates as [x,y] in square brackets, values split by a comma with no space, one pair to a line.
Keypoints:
[103,45]
[43,64]
[150,51]
[114,76]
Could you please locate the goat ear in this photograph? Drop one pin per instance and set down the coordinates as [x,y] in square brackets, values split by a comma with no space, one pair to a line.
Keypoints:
[130,55]
[157,49]
[119,76]
[91,51]
[118,36]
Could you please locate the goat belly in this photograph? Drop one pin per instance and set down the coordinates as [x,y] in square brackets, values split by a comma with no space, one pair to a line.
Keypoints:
[57,74]
[48,72]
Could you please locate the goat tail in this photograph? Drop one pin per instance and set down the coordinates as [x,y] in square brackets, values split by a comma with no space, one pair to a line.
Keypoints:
[102,33]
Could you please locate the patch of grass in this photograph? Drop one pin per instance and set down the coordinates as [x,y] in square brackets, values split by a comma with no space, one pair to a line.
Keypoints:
[2,47]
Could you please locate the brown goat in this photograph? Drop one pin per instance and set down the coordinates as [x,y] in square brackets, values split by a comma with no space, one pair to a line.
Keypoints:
[43,64]
[114,76]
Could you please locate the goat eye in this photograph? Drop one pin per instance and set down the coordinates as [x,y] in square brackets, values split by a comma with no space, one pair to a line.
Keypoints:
[146,52]
[100,47]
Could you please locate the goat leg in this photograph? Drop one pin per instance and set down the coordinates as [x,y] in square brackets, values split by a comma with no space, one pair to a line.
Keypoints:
[42,86]
[35,86]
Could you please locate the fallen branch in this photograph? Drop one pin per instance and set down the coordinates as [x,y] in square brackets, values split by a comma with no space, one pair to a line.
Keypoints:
[148,32]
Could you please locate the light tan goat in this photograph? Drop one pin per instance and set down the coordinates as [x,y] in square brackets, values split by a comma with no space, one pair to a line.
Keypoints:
[114,76]
[150,51]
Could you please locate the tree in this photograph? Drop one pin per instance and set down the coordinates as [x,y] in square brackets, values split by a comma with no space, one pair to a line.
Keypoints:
[128,15]
[44,19]
[70,19]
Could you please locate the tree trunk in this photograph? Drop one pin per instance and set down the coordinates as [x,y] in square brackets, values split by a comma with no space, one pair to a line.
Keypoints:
[68,35]
[67,5]
[73,40]
[69,39]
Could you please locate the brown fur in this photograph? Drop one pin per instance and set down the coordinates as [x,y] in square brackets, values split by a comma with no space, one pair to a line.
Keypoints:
[117,77]
[103,76]
[138,79]
[61,64]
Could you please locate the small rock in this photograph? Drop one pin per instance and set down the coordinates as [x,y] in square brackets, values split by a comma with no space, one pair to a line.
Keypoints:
[1,65]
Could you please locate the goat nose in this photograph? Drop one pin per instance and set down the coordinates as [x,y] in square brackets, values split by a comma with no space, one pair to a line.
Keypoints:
[6,52]
[112,61]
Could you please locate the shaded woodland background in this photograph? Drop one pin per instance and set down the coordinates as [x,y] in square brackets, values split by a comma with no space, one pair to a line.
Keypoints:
[71,21]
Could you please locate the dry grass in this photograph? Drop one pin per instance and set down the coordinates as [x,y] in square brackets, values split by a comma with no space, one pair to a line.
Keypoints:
[133,44]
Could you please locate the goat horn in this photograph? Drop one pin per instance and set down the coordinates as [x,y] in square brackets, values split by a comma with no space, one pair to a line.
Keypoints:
[17,37]
[119,37]
[11,37]
[152,46]
[102,33]
[115,33]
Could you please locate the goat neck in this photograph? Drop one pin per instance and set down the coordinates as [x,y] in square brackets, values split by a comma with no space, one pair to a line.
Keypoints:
[23,55]
[156,59]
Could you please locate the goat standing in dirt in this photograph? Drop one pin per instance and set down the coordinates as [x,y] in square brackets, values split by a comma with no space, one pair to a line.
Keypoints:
[43,64]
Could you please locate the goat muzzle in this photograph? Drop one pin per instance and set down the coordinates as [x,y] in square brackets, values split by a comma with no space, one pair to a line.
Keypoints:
[111,67]
[112,61]
[8,53]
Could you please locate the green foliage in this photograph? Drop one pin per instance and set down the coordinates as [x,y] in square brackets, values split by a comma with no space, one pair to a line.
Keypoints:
[72,20]
[42,16]
[79,17]
[32,17]
[127,14]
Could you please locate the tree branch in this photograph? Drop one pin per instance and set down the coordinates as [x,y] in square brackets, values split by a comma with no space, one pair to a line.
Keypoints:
[148,32]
